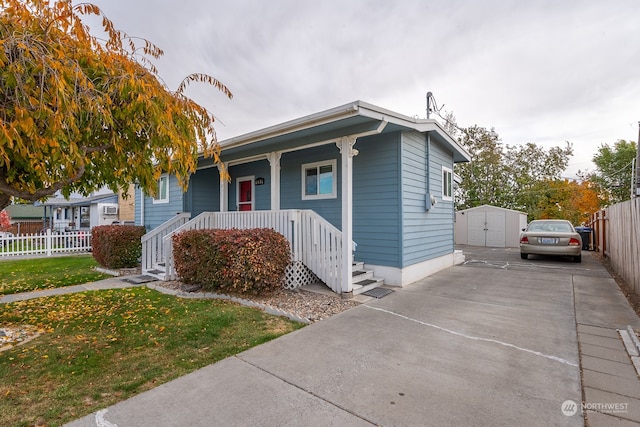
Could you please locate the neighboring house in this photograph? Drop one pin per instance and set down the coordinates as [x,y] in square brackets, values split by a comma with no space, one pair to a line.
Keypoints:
[25,218]
[355,181]
[490,226]
[80,213]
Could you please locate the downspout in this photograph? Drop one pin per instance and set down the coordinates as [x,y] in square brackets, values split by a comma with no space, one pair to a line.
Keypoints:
[427,171]
[345,144]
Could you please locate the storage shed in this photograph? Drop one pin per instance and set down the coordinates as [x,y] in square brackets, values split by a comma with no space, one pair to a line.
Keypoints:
[490,226]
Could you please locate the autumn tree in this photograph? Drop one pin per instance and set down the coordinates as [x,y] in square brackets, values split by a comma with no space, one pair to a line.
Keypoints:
[565,199]
[78,113]
[612,176]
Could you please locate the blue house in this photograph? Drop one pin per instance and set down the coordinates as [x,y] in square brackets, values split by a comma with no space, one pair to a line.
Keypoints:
[363,194]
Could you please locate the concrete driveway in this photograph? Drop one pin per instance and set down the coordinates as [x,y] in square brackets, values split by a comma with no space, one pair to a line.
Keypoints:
[489,343]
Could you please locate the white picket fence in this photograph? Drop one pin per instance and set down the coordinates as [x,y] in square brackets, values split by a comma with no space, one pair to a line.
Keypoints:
[47,243]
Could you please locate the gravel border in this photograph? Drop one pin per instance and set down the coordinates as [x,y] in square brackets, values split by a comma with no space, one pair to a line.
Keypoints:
[298,305]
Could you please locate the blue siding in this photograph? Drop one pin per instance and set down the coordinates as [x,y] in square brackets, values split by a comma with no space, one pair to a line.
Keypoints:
[376,200]
[203,194]
[390,223]
[291,182]
[257,169]
[425,234]
[156,214]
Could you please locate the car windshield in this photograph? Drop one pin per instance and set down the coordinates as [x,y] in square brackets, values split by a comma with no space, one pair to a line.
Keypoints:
[564,227]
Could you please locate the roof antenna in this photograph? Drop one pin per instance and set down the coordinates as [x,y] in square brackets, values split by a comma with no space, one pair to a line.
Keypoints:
[431,99]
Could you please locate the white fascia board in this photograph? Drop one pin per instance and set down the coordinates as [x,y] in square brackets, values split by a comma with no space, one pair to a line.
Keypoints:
[306,122]
[421,125]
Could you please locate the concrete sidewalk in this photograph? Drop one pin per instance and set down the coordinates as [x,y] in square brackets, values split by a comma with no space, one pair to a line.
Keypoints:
[611,388]
[467,346]
[110,283]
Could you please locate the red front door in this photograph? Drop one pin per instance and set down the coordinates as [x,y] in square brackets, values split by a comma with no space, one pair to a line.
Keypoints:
[245,196]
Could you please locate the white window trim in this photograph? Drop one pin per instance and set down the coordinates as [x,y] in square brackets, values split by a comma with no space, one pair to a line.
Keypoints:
[334,180]
[444,184]
[166,199]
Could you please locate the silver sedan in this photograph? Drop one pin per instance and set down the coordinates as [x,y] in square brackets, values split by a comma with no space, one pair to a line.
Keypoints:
[551,237]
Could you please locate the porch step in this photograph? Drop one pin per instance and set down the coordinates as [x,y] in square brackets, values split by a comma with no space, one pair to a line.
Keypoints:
[363,279]
[361,275]
[158,274]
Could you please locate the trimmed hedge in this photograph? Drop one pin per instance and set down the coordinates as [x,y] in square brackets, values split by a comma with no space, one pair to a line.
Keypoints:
[250,261]
[117,246]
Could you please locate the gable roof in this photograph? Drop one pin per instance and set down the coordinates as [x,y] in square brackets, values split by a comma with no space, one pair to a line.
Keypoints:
[353,118]
[490,207]
[26,211]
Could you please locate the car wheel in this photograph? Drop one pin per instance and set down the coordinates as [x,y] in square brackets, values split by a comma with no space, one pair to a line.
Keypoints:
[577,258]
[524,256]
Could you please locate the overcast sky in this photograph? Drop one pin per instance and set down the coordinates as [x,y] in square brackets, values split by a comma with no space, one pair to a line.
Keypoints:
[537,71]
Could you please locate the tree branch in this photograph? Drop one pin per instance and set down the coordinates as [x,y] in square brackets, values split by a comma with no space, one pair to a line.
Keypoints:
[6,190]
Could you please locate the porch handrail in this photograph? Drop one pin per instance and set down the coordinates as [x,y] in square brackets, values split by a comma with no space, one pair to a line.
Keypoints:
[153,250]
[314,241]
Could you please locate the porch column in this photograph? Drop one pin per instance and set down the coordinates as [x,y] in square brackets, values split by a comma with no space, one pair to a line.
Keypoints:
[348,152]
[224,188]
[274,161]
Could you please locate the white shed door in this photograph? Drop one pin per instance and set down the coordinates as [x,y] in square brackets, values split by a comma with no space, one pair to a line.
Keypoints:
[476,229]
[486,229]
[496,229]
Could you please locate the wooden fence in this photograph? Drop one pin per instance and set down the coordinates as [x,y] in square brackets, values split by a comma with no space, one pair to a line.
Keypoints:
[617,235]
[27,227]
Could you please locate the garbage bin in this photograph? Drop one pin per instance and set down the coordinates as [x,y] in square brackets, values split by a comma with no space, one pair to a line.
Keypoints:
[585,233]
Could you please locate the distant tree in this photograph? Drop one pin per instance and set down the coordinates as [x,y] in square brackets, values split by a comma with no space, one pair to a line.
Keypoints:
[484,178]
[78,113]
[612,176]
[530,168]
[451,125]
[512,177]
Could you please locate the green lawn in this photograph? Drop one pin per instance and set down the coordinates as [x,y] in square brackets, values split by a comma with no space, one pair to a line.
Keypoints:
[45,273]
[100,347]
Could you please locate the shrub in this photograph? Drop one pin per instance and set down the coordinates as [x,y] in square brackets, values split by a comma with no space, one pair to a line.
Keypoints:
[251,261]
[117,246]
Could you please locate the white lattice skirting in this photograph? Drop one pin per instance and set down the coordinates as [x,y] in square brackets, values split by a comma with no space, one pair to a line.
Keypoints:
[297,274]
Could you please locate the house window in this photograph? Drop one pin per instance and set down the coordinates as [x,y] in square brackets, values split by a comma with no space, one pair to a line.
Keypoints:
[319,180]
[163,190]
[447,184]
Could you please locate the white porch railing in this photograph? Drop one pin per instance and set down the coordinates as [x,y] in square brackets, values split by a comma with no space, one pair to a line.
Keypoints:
[47,243]
[313,240]
[153,249]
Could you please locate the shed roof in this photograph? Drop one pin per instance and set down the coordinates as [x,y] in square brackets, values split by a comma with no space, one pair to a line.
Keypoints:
[491,207]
